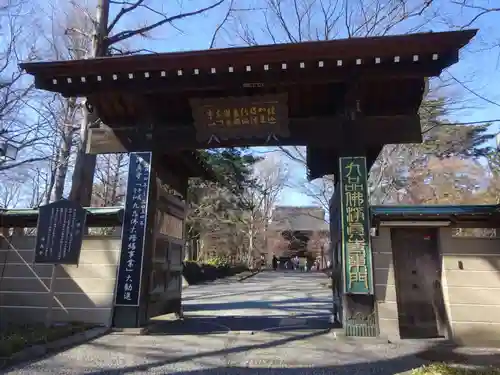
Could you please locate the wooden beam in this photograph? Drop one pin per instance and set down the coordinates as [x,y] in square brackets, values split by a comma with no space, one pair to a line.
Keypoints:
[228,81]
[322,132]
[104,141]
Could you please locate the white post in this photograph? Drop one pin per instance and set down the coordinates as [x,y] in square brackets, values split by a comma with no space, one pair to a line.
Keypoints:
[48,316]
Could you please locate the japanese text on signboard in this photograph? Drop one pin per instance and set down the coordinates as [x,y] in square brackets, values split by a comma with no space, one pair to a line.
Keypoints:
[260,114]
[240,117]
[355,226]
[60,233]
[134,230]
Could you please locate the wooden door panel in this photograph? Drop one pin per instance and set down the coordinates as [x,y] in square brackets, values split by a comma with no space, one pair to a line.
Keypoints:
[416,262]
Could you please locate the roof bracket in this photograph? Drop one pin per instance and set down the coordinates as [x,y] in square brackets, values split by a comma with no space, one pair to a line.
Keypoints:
[213,137]
[271,136]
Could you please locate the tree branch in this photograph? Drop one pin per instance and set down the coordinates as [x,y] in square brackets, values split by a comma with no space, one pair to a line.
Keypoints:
[220,25]
[123,11]
[143,30]
[6,166]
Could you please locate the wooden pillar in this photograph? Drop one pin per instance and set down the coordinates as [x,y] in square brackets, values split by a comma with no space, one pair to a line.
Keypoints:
[130,310]
[336,257]
[351,221]
[154,278]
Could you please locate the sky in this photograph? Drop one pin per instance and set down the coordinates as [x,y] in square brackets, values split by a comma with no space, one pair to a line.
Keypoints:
[478,69]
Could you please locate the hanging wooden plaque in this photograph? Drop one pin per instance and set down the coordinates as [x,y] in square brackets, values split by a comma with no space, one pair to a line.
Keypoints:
[240,117]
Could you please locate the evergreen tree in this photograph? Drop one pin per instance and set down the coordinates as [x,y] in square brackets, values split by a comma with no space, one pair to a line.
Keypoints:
[218,206]
[443,138]
[233,167]
[405,169]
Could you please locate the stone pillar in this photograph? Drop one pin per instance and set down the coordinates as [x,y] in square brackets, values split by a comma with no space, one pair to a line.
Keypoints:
[353,240]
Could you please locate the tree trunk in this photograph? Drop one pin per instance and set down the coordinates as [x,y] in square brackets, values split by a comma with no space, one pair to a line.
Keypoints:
[115,180]
[250,242]
[64,152]
[196,248]
[53,171]
[83,175]
[201,249]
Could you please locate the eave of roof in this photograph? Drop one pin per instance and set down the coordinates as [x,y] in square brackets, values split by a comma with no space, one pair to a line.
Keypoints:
[340,48]
[433,211]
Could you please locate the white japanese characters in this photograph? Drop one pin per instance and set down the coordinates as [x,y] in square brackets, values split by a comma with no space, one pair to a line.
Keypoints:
[59,233]
[134,231]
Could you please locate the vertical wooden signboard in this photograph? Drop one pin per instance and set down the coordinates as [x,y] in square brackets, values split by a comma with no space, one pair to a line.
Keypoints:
[355,226]
[128,286]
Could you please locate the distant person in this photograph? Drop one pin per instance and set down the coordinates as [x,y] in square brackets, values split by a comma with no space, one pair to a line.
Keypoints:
[302,264]
[275,263]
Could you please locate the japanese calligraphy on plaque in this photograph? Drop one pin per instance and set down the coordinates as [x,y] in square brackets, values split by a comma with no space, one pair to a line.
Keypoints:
[355,224]
[128,286]
[241,117]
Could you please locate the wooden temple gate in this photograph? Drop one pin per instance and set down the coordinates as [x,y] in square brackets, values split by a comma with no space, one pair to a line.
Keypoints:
[342,99]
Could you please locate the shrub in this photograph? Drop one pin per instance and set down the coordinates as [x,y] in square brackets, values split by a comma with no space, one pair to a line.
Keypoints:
[15,338]
[218,262]
[444,369]
[192,272]
[210,270]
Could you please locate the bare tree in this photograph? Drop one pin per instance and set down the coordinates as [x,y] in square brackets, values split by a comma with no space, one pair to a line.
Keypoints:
[19,124]
[39,186]
[477,9]
[110,184]
[214,221]
[320,190]
[292,21]
[10,194]
[70,38]
[480,14]
[271,175]
[106,40]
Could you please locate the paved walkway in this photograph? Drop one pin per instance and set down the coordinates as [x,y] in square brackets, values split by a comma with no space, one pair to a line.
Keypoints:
[273,323]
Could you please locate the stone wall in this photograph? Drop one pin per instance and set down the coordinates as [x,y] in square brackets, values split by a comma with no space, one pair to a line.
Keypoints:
[470,281]
[471,286]
[83,293]
[385,286]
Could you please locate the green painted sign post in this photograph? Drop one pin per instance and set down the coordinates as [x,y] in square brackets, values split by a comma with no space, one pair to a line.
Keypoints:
[355,224]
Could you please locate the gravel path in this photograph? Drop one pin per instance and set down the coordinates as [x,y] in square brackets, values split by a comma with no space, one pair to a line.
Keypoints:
[273,323]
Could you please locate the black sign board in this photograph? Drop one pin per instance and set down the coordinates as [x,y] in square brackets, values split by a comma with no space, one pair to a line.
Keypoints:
[60,232]
[240,117]
[128,286]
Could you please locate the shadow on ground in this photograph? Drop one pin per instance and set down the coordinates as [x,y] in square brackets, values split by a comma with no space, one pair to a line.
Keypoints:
[197,294]
[359,359]
[205,325]
[288,304]
[295,340]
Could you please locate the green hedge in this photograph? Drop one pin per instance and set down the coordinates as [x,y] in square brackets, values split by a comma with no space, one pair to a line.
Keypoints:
[14,338]
[212,269]
[444,369]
